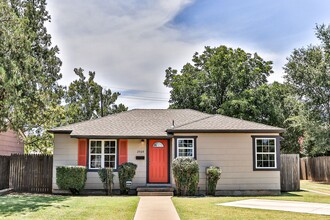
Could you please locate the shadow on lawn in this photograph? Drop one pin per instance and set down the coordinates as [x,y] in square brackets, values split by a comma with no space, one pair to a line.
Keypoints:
[292,193]
[21,204]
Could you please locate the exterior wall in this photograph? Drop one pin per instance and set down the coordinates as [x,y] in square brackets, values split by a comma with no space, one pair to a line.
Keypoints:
[136,148]
[10,143]
[234,154]
[66,153]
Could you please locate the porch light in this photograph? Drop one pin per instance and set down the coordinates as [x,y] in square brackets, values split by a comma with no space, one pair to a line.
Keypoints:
[142,141]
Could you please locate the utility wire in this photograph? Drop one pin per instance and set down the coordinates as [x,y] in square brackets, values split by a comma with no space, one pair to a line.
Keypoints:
[143,98]
[131,89]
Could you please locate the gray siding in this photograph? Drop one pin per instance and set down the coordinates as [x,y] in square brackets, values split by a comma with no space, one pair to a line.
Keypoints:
[233,153]
[66,153]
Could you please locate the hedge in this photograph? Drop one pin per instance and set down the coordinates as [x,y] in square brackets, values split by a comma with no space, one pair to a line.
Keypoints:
[212,175]
[186,175]
[106,175]
[126,172]
[71,178]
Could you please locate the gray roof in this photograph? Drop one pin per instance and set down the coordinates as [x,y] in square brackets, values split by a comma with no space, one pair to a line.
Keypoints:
[141,123]
[221,123]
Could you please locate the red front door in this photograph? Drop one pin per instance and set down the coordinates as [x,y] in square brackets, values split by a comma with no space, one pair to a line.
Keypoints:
[158,161]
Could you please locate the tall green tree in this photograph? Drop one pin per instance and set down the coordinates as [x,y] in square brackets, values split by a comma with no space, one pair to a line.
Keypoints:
[86,99]
[271,104]
[29,72]
[308,73]
[216,76]
[234,83]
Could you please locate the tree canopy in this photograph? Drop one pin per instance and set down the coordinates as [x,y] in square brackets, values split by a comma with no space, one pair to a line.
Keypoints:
[29,70]
[307,72]
[234,83]
[86,99]
[31,97]
[215,77]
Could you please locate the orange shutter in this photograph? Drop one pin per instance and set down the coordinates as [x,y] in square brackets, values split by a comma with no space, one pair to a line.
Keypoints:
[82,152]
[123,151]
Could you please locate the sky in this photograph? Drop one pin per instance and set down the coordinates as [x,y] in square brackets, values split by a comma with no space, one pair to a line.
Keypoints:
[130,44]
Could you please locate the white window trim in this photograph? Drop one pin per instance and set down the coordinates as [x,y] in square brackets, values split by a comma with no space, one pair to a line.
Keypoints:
[102,153]
[177,147]
[256,153]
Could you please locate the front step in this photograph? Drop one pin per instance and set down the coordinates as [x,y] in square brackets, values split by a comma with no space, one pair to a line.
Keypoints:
[155,191]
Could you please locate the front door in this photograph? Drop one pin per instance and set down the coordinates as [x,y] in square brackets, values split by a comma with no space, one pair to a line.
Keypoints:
[158,161]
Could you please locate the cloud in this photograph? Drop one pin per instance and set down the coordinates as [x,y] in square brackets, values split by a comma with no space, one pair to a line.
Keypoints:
[127,43]
[130,43]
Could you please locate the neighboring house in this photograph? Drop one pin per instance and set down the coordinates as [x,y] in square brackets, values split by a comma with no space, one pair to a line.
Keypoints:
[247,152]
[10,143]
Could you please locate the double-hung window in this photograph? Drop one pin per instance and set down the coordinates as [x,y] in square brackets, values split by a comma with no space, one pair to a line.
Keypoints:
[265,153]
[102,154]
[185,147]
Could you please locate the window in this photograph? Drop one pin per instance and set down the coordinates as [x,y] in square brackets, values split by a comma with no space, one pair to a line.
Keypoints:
[158,144]
[265,153]
[185,147]
[102,154]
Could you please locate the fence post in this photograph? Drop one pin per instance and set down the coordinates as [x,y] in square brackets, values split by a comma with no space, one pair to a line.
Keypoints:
[4,172]
[290,172]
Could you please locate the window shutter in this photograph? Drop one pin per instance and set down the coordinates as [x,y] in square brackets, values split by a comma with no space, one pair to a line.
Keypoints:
[123,151]
[82,152]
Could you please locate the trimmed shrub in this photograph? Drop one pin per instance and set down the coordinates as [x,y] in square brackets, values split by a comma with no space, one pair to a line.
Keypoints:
[126,172]
[71,178]
[212,175]
[106,175]
[186,175]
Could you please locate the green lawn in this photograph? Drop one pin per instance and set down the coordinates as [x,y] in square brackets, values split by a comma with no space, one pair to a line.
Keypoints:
[121,208]
[309,185]
[67,207]
[206,208]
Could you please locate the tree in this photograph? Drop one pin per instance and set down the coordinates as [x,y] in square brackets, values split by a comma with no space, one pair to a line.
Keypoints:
[271,104]
[216,76]
[29,70]
[234,83]
[86,99]
[308,73]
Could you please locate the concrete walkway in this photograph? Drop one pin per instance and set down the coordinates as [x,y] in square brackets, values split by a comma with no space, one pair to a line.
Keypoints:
[314,191]
[280,205]
[156,207]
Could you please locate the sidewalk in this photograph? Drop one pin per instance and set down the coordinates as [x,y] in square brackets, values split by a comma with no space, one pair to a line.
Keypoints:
[156,207]
[280,205]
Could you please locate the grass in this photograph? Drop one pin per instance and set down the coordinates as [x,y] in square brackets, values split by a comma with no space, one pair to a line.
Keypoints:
[206,208]
[101,207]
[316,186]
[67,207]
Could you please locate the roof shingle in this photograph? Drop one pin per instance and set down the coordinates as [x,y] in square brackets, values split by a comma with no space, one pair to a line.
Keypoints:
[156,123]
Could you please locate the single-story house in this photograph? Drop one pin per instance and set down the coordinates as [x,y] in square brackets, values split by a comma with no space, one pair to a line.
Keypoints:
[10,143]
[247,152]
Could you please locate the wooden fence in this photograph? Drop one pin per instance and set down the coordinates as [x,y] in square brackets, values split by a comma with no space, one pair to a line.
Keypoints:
[290,180]
[31,173]
[315,169]
[4,172]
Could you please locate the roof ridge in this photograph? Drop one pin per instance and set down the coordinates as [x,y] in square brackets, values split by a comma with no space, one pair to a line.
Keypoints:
[253,122]
[201,119]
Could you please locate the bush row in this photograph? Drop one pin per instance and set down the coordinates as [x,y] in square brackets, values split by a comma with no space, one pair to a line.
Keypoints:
[186,176]
[185,172]
[73,178]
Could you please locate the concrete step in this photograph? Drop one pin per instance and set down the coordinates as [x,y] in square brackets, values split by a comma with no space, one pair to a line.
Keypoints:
[155,193]
[155,189]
